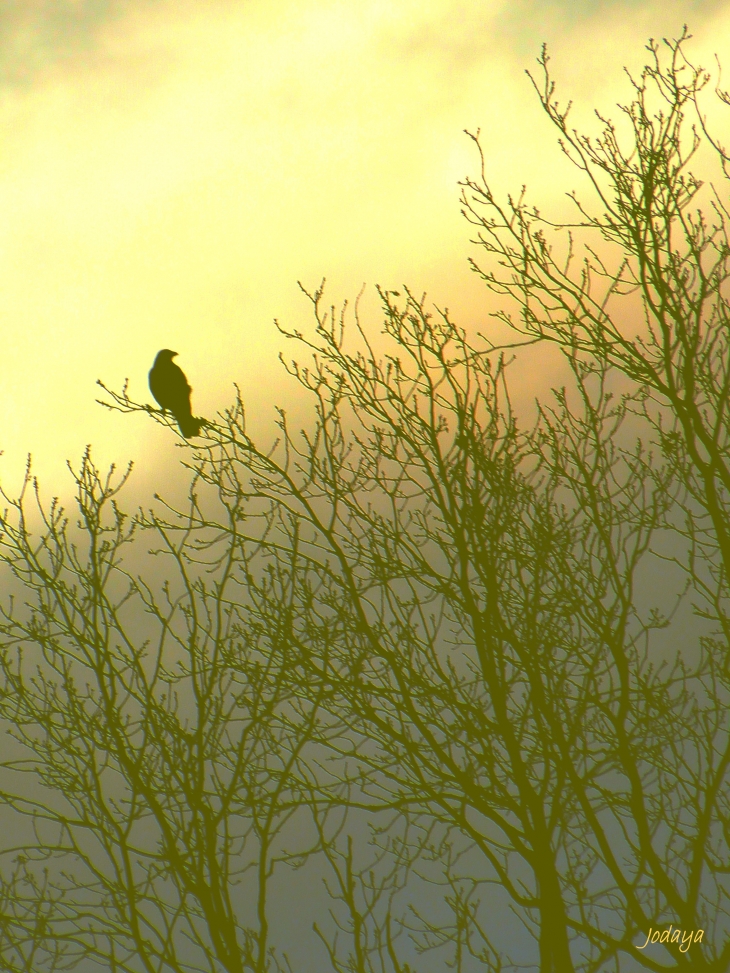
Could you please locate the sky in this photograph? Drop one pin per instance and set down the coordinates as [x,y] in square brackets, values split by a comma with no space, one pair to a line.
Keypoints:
[169,169]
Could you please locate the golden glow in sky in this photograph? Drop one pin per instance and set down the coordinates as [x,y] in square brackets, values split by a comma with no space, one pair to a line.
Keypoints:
[169,171]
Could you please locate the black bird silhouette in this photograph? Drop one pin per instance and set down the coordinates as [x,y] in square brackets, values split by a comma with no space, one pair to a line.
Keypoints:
[170,387]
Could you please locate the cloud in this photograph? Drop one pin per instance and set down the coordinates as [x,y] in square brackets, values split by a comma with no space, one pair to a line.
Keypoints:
[169,170]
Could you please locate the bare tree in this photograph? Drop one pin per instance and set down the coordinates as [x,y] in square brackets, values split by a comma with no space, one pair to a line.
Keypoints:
[646,236]
[161,734]
[420,609]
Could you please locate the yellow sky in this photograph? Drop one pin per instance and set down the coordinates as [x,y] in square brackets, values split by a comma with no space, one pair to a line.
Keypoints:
[166,182]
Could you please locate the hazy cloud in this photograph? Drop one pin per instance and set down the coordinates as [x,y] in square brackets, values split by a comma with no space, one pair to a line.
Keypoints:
[169,170]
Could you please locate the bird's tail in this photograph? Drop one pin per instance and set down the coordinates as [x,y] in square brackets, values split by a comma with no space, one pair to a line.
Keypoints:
[190,425]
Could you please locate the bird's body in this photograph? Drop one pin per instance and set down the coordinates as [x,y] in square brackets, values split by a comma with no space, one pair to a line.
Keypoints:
[171,390]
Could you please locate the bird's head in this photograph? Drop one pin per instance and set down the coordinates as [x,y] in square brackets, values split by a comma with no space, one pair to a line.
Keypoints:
[166,353]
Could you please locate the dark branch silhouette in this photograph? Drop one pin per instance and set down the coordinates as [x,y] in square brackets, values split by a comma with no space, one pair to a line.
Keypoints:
[172,392]
[476,671]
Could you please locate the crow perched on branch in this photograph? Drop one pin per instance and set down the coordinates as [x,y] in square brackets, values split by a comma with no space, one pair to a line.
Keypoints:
[170,387]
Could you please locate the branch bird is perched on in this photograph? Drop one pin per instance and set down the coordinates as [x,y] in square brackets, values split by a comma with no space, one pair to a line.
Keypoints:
[170,387]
